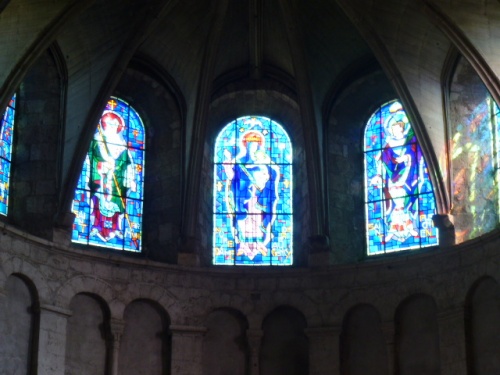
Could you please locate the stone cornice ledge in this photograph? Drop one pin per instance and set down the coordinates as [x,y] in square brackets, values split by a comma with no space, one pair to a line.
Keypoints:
[69,251]
[193,330]
[323,331]
[56,309]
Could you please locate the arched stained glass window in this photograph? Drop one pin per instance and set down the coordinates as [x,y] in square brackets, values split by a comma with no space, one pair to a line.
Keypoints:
[253,222]
[6,137]
[109,196]
[399,196]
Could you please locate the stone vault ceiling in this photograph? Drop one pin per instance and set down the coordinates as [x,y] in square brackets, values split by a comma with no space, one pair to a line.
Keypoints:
[315,47]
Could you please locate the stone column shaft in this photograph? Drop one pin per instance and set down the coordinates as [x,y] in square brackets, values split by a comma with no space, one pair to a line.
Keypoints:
[187,346]
[389,331]
[452,342]
[254,337]
[117,327]
[324,358]
[52,340]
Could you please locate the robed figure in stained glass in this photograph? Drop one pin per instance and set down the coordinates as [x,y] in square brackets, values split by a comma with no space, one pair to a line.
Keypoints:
[400,162]
[252,194]
[400,202]
[111,177]
[109,194]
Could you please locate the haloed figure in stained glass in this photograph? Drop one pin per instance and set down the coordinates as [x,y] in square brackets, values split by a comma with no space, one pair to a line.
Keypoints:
[400,201]
[109,195]
[253,217]
[400,163]
[111,177]
[252,193]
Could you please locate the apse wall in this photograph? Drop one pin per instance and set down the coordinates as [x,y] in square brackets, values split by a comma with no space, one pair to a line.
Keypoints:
[61,305]
[66,309]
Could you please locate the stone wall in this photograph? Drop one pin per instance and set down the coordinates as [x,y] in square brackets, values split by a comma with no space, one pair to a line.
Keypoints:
[176,305]
[35,167]
[345,163]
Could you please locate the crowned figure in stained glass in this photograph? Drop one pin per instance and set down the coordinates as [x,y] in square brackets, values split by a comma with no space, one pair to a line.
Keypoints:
[252,196]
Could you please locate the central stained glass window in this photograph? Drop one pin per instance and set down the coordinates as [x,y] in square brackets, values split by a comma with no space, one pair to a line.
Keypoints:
[109,195]
[253,218]
[399,196]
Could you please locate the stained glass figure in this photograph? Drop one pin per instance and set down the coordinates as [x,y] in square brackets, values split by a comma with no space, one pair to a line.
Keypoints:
[399,196]
[6,136]
[253,216]
[109,195]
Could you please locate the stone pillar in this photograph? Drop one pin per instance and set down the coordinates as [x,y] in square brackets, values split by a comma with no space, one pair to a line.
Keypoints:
[254,337]
[389,332]
[446,230]
[52,340]
[318,249]
[324,349]
[187,345]
[116,330]
[452,342]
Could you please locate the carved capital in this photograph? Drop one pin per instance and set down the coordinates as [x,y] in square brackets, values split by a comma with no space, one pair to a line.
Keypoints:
[116,327]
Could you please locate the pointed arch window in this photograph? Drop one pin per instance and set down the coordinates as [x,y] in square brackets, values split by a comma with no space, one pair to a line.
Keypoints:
[399,199]
[253,216]
[6,136]
[109,196]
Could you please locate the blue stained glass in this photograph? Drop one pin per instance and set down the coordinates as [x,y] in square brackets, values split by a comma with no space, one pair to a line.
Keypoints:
[253,182]
[373,169]
[109,194]
[6,135]
[373,132]
[399,196]
[375,228]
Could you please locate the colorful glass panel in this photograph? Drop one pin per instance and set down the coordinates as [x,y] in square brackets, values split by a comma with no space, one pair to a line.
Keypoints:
[253,216]
[399,197]
[6,136]
[109,194]
[496,136]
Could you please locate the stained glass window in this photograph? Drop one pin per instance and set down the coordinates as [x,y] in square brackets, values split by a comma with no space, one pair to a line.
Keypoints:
[108,198]
[253,222]
[474,155]
[6,135]
[496,136]
[399,198]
